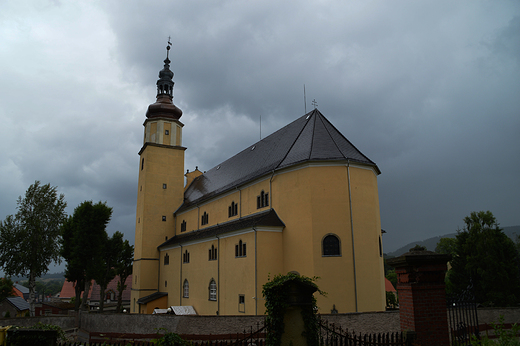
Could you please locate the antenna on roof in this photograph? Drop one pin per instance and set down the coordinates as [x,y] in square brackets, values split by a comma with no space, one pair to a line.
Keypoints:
[260,127]
[304,99]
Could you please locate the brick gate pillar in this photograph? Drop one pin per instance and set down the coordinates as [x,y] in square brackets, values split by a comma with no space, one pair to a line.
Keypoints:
[422,295]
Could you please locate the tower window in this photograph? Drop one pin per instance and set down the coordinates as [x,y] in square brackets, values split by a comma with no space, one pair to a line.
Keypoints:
[142,164]
[186,257]
[166,132]
[331,246]
[240,249]
[186,289]
[164,218]
[166,259]
[164,186]
[212,290]
[262,200]
[212,253]
[165,283]
[233,209]
[204,219]
[183,226]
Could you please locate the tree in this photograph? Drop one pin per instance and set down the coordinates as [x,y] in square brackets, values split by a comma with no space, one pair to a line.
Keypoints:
[446,246]
[392,277]
[6,288]
[84,237]
[486,259]
[123,270]
[111,249]
[30,239]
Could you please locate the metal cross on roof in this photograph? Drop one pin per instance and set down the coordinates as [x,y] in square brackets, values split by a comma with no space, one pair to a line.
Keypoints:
[168,47]
[314,103]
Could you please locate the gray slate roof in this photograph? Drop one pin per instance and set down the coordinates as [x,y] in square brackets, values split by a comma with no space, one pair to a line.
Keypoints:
[21,288]
[151,297]
[309,138]
[267,218]
[19,303]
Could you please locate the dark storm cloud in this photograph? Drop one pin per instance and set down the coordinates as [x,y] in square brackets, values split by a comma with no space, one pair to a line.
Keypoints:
[428,90]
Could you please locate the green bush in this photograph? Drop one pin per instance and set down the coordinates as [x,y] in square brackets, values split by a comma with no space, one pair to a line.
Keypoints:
[170,339]
[506,337]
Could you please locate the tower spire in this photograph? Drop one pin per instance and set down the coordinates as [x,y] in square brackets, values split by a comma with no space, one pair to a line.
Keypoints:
[164,106]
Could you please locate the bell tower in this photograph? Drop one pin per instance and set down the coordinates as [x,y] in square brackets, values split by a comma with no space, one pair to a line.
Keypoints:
[160,187]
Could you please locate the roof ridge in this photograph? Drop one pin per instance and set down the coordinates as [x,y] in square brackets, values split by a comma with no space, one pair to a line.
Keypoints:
[332,138]
[309,116]
[313,131]
[345,138]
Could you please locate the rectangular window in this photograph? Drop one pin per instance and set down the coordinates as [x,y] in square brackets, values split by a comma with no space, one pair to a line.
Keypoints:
[164,186]
[241,303]
[164,218]
[166,132]
[183,226]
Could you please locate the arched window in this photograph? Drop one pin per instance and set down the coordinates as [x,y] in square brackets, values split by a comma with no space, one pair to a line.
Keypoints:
[212,290]
[331,245]
[186,289]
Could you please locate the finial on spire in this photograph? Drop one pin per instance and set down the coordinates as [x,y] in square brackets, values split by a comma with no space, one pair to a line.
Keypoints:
[168,47]
[314,103]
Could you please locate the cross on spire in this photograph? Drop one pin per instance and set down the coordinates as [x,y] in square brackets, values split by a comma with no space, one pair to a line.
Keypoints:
[168,47]
[314,103]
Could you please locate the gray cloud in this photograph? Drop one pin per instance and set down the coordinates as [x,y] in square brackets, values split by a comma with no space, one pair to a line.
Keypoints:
[428,90]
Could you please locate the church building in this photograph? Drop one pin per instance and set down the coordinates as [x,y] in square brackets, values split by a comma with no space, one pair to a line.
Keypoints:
[303,199]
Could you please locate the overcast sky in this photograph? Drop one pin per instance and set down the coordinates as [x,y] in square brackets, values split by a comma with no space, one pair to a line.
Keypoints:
[429,90]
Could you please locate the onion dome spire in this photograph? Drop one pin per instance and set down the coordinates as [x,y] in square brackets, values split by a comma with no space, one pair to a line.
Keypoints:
[164,106]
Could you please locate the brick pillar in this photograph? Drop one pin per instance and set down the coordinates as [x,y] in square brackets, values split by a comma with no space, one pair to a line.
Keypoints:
[422,295]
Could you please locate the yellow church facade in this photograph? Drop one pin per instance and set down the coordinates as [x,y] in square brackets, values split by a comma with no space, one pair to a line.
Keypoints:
[303,200]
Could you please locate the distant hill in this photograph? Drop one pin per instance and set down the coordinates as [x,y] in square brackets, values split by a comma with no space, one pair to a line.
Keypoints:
[46,277]
[431,243]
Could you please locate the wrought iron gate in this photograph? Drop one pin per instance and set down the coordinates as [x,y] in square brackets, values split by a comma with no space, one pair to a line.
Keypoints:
[463,318]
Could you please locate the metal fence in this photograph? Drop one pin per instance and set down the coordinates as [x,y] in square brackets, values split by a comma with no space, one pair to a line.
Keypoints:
[463,318]
[330,335]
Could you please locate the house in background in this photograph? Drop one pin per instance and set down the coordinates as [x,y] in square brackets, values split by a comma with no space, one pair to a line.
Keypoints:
[21,291]
[53,308]
[111,295]
[68,292]
[16,306]
[303,199]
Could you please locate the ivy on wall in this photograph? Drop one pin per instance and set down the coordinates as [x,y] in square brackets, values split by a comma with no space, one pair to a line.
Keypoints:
[277,298]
